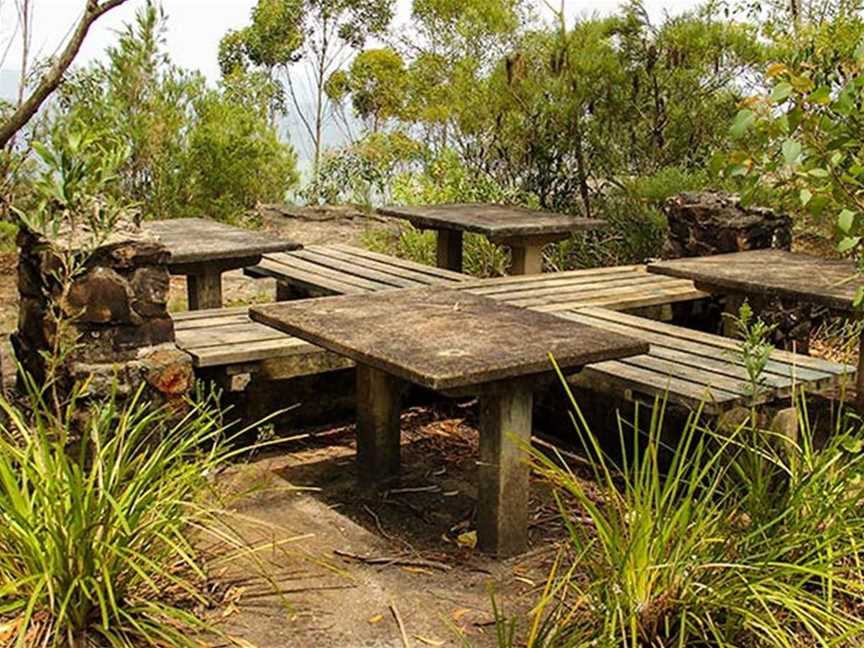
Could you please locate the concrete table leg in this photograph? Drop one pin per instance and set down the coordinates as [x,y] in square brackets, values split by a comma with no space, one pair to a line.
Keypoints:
[527,259]
[204,290]
[450,250]
[505,432]
[379,397]
[731,308]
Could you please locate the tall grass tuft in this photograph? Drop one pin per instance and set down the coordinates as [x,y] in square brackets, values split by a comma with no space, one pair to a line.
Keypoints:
[677,551]
[95,527]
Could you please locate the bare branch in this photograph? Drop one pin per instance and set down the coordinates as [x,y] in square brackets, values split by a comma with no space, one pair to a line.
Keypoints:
[51,80]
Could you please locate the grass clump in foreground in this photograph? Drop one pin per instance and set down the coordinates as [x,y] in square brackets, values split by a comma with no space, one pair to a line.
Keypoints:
[680,549]
[95,528]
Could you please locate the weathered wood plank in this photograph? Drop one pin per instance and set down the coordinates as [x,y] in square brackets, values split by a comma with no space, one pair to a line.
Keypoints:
[415,272]
[354,269]
[399,262]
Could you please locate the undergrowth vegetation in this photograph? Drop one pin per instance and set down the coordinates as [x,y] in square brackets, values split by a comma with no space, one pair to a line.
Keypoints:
[734,538]
[101,518]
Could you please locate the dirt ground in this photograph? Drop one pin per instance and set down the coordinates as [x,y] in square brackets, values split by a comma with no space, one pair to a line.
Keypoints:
[349,562]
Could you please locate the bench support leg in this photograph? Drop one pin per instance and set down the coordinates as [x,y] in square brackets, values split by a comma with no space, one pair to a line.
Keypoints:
[505,434]
[450,250]
[204,290]
[527,259]
[379,399]
[731,307]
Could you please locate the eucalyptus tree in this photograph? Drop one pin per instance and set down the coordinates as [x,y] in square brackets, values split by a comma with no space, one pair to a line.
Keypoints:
[305,41]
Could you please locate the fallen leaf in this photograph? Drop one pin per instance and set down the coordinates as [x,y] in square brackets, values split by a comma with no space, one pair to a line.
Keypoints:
[418,570]
[467,539]
[458,614]
[428,641]
[527,581]
[242,643]
[377,618]
[7,630]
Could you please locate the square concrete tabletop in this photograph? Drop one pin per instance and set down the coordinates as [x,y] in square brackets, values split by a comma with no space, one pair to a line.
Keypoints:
[772,273]
[199,240]
[444,339]
[498,222]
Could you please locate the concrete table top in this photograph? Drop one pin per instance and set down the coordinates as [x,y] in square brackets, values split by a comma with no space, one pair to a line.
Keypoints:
[444,339]
[497,222]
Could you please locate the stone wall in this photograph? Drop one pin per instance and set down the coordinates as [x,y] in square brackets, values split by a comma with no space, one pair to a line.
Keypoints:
[706,223]
[114,323]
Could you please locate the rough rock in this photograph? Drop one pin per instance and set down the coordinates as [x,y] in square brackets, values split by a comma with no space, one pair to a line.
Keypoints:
[706,223]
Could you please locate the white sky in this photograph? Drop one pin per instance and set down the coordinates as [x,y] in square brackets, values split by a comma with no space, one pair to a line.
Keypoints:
[196,26]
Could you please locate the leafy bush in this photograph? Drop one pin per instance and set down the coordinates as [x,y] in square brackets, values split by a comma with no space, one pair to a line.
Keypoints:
[192,150]
[95,539]
[8,233]
[679,549]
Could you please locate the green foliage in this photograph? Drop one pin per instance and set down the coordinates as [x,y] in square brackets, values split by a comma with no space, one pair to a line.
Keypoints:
[803,138]
[364,172]
[96,542]
[193,150]
[377,83]
[674,554]
[755,349]
[8,236]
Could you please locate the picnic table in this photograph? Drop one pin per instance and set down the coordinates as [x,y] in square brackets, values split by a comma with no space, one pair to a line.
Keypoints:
[203,249]
[457,344]
[775,273]
[525,231]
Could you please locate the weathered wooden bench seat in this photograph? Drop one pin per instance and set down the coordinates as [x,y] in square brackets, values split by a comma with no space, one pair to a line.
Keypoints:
[322,270]
[689,366]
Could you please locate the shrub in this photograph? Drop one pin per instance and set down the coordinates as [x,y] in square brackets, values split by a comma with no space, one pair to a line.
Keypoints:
[8,232]
[481,258]
[95,539]
[678,551]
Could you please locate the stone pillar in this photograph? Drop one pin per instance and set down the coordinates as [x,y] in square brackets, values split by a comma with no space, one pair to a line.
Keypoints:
[706,223]
[117,331]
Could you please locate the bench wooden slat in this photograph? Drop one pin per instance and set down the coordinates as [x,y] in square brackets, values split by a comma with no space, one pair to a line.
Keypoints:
[242,333]
[702,351]
[401,263]
[645,381]
[557,296]
[352,269]
[310,276]
[415,271]
[531,283]
[640,323]
[590,273]
[626,300]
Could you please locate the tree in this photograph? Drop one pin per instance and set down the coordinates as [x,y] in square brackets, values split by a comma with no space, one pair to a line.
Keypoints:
[319,34]
[193,150]
[377,82]
[30,104]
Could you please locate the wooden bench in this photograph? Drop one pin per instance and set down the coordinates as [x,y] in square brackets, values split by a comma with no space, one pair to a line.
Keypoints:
[689,366]
[323,270]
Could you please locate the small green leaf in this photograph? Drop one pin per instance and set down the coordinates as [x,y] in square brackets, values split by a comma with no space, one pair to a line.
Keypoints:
[743,120]
[847,243]
[781,92]
[805,196]
[845,220]
[818,172]
[791,151]
[821,95]
[859,297]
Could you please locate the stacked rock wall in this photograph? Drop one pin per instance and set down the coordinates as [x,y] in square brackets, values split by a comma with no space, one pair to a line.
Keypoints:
[116,330]
[706,223]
